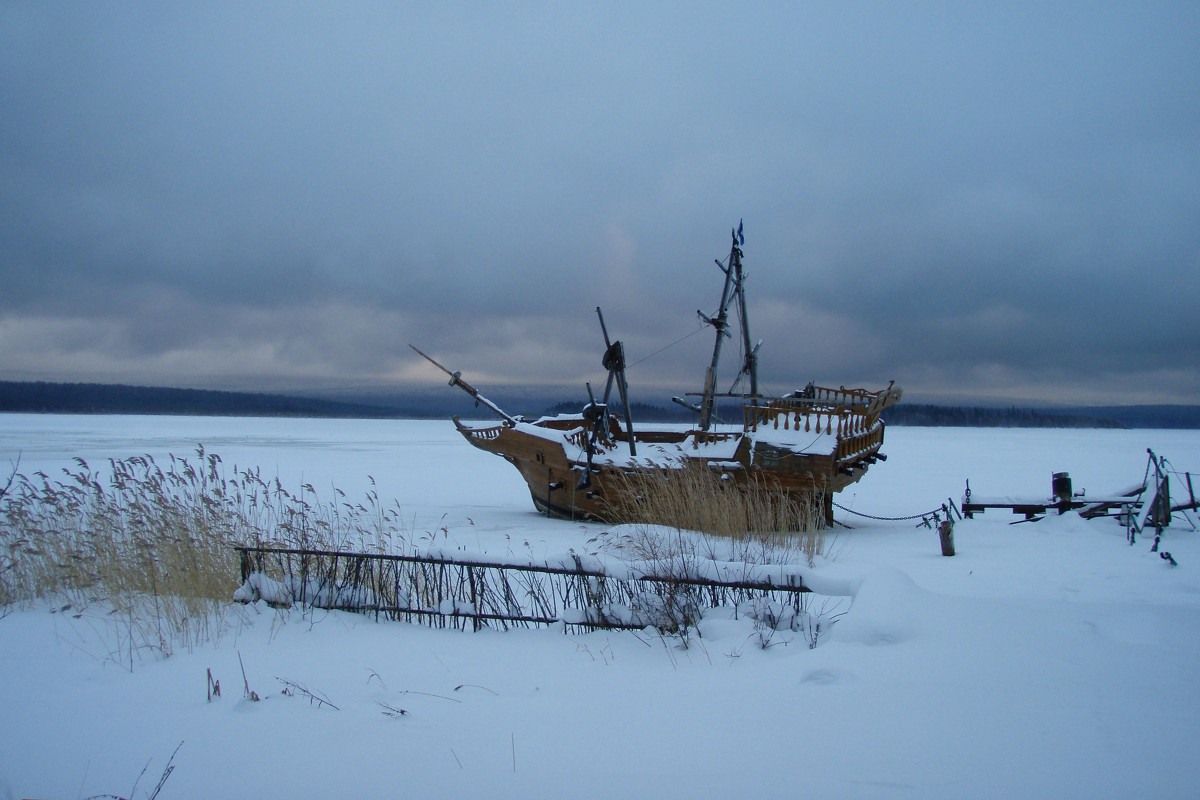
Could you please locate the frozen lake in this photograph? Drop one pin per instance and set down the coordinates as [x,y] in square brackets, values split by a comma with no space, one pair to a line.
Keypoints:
[429,469]
[1047,660]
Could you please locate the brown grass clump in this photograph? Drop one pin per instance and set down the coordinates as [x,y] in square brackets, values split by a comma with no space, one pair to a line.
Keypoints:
[696,498]
[156,545]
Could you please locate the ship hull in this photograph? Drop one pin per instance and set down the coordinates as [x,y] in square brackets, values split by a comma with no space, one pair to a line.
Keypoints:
[806,452]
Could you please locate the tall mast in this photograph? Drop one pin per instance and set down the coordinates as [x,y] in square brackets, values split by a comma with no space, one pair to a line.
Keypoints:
[735,286]
[614,362]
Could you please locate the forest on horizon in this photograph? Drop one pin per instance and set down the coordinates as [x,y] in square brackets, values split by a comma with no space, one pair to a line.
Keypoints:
[88,398]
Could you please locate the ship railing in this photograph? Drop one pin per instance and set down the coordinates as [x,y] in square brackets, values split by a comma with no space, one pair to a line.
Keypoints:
[853,447]
[487,434]
[819,409]
[842,421]
[825,395]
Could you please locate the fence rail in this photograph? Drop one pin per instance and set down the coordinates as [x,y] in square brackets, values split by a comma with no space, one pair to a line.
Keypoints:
[446,592]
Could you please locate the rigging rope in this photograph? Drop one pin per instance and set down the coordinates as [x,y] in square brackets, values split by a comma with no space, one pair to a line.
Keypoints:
[699,328]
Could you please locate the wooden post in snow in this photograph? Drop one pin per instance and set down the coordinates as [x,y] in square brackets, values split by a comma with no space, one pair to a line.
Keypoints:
[946,534]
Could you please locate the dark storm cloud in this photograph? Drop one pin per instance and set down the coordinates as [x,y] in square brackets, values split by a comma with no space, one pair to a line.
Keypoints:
[979,202]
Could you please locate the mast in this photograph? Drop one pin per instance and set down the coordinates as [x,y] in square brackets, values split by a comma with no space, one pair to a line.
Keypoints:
[750,363]
[614,362]
[735,287]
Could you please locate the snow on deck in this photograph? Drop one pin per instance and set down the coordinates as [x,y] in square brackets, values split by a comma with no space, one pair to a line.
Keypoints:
[668,454]
[649,454]
[798,441]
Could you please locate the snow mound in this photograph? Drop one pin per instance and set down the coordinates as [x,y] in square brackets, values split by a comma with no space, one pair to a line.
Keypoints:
[887,604]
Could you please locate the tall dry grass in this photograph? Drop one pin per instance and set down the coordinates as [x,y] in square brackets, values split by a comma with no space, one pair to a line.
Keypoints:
[682,518]
[755,513]
[154,543]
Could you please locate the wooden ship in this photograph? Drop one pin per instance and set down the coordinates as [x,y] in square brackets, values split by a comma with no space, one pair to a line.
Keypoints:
[813,442]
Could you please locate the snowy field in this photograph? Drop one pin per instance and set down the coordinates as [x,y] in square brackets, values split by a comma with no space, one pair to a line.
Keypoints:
[1046,659]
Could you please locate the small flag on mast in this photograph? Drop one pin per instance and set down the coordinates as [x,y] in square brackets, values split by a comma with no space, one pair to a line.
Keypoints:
[741,238]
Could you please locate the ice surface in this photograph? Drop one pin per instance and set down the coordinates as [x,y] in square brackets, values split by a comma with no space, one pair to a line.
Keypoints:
[1046,659]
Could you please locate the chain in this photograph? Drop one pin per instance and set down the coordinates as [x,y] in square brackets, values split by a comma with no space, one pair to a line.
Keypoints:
[925,517]
[885,519]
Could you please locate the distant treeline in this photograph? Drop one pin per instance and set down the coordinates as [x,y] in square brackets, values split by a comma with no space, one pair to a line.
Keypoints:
[93,398]
[978,417]
[1146,416]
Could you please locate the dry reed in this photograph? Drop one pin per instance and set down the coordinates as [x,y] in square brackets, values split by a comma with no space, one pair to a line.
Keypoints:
[155,543]
[754,512]
[686,516]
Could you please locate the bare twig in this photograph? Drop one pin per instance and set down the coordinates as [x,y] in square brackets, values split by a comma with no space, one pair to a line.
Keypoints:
[11,476]
[474,686]
[392,711]
[304,690]
[166,773]
[133,791]
[428,694]
[214,686]
[250,695]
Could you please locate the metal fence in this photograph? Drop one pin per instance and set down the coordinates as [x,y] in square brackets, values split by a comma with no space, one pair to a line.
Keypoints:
[452,593]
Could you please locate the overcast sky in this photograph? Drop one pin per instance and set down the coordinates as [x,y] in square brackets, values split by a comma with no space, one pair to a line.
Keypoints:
[984,201]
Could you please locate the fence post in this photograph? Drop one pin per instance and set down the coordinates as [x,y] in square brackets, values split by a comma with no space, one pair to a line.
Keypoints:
[946,534]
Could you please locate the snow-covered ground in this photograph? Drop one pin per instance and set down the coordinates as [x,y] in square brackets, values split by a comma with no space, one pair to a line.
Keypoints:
[1046,659]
